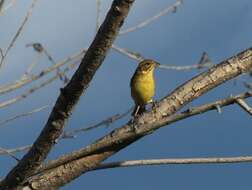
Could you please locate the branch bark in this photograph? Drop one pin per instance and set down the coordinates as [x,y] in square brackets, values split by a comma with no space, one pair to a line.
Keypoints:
[70,95]
[68,167]
[169,161]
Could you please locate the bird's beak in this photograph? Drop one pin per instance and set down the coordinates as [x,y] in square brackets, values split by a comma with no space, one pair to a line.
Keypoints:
[157,64]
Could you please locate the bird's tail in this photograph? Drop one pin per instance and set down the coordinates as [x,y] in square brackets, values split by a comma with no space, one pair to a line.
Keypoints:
[138,110]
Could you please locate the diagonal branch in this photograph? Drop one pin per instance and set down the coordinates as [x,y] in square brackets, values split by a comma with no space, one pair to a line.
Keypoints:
[16,150]
[70,95]
[244,106]
[73,165]
[35,88]
[98,14]
[28,14]
[170,9]
[20,83]
[2,122]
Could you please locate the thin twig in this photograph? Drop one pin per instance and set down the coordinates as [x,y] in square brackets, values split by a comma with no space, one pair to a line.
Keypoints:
[98,14]
[151,162]
[15,150]
[61,75]
[1,54]
[167,10]
[184,68]
[244,105]
[137,56]
[20,83]
[31,66]
[28,14]
[38,47]
[34,88]
[1,6]
[3,122]
[106,122]
[3,9]
[130,54]
[9,153]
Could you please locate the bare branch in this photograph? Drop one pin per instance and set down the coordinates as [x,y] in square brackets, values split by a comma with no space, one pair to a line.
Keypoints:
[98,13]
[15,150]
[134,56]
[38,47]
[34,88]
[167,10]
[244,105]
[20,83]
[138,57]
[3,122]
[61,75]
[1,6]
[204,108]
[70,95]
[106,122]
[169,161]
[1,54]
[3,9]
[28,14]
[74,164]
[28,71]
[184,68]
[9,153]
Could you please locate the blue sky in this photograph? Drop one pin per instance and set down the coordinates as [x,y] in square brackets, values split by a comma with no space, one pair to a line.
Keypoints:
[220,27]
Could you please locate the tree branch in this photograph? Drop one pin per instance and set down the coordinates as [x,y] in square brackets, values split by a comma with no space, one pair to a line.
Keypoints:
[28,14]
[70,95]
[35,88]
[166,120]
[169,161]
[170,9]
[244,106]
[138,57]
[72,165]
[15,150]
[20,83]
[3,122]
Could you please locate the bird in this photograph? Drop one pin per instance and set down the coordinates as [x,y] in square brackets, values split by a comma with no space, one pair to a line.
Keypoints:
[142,85]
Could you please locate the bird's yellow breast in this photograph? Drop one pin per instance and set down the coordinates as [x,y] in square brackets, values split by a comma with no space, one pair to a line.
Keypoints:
[143,88]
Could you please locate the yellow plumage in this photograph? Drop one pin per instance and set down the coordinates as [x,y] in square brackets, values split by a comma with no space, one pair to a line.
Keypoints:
[143,85]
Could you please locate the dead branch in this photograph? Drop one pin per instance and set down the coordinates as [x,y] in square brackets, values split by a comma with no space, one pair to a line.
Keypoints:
[138,57]
[98,14]
[16,150]
[70,95]
[3,122]
[35,88]
[167,10]
[172,161]
[72,165]
[242,103]
[25,81]
[20,29]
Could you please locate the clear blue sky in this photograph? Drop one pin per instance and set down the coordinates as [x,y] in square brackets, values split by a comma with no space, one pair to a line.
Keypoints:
[220,27]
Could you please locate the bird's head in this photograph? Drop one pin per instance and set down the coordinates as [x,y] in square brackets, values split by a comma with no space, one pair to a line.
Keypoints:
[147,66]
